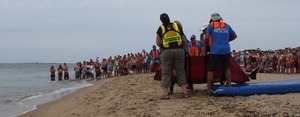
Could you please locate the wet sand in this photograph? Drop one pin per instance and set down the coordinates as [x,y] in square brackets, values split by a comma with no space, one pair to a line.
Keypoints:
[139,95]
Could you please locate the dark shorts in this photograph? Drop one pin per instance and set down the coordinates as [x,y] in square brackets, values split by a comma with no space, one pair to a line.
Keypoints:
[77,75]
[104,69]
[52,77]
[253,60]
[60,76]
[216,60]
[133,67]
[66,75]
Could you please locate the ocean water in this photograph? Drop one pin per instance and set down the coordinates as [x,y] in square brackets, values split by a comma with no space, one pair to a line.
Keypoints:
[23,86]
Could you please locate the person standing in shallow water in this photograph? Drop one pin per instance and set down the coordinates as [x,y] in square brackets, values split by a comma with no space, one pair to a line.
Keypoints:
[66,71]
[170,38]
[60,72]
[77,71]
[52,73]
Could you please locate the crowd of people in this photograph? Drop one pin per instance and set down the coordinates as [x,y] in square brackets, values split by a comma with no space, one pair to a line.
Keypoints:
[131,63]
[281,61]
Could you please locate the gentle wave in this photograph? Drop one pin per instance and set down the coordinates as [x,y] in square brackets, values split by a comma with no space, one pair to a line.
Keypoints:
[28,101]
[78,86]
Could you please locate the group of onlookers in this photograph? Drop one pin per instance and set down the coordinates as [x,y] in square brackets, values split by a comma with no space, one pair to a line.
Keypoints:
[62,72]
[141,62]
[285,61]
[117,66]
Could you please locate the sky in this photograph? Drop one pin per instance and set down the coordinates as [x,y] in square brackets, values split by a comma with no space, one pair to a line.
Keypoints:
[58,31]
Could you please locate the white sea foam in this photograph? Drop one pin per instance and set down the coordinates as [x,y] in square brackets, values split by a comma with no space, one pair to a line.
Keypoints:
[33,101]
[78,86]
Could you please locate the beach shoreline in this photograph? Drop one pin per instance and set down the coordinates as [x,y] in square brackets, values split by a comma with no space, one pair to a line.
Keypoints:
[34,101]
[138,95]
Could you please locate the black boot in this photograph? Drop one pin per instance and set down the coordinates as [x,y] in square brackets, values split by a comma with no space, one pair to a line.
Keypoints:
[191,88]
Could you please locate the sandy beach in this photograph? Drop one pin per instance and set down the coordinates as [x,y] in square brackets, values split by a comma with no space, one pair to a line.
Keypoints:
[139,95]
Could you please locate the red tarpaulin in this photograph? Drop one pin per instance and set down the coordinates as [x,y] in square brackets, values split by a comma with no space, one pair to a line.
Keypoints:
[196,71]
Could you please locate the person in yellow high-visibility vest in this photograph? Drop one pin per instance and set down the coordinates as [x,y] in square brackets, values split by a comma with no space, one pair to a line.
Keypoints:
[170,38]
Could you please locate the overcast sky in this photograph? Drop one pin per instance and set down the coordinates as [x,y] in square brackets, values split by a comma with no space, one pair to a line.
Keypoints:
[76,30]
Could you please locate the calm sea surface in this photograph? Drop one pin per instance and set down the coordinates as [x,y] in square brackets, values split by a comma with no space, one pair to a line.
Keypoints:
[26,85]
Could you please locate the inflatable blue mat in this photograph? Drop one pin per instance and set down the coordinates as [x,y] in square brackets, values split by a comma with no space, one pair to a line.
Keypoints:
[246,89]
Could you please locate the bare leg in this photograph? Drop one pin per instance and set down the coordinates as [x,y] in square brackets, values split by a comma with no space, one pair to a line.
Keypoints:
[184,89]
[166,91]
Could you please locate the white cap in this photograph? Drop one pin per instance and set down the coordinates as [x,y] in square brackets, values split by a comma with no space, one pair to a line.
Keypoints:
[204,26]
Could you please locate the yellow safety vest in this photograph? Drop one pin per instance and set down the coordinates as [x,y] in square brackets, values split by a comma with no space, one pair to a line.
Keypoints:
[170,35]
